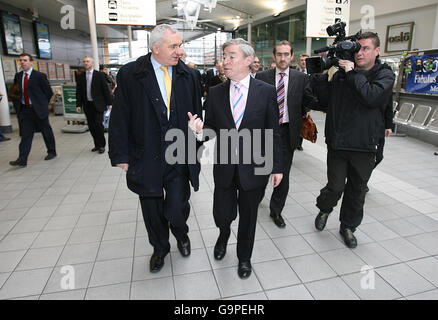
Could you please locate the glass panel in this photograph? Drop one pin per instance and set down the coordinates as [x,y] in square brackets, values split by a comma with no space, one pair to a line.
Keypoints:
[265,35]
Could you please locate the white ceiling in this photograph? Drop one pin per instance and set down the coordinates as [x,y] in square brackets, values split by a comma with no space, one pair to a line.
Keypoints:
[222,15]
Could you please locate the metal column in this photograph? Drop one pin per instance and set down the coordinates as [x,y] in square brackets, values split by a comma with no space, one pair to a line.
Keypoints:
[93,33]
[130,41]
[5,119]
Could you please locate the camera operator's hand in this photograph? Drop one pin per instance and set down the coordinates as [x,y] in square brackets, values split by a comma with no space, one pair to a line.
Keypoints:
[347,65]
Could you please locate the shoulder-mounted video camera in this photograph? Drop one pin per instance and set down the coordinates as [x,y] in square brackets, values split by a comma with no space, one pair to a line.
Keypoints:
[342,48]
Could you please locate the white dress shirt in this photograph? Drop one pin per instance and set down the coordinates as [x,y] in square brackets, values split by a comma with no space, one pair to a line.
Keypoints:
[89,78]
[244,88]
[160,78]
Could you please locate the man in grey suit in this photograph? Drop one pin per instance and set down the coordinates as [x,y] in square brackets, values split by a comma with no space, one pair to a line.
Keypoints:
[294,99]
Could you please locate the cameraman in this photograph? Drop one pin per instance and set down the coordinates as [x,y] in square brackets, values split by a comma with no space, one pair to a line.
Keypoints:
[354,100]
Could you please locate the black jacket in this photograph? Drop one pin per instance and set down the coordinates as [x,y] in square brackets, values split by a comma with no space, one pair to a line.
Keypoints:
[300,99]
[39,92]
[355,104]
[100,91]
[261,112]
[136,134]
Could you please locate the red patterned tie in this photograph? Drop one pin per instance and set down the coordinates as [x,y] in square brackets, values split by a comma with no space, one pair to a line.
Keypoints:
[25,94]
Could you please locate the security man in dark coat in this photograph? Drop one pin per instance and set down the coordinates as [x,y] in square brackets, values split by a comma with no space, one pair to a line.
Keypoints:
[154,95]
[355,100]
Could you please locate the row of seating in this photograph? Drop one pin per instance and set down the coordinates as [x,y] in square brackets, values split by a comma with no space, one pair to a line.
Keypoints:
[417,116]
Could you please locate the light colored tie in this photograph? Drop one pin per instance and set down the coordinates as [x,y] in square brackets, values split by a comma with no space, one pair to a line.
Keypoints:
[167,84]
[238,104]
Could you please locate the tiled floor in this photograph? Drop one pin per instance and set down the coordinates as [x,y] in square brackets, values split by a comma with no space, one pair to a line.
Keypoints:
[75,216]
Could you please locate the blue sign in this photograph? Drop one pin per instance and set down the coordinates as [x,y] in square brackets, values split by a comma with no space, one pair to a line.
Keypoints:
[42,38]
[422,72]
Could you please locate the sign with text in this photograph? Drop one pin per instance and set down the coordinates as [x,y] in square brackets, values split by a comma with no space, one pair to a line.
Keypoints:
[323,13]
[399,37]
[69,100]
[126,12]
[422,72]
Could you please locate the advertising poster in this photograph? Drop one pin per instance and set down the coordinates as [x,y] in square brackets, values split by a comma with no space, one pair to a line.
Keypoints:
[12,38]
[52,70]
[60,71]
[422,74]
[42,40]
[67,74]
[9,68]
[43,67]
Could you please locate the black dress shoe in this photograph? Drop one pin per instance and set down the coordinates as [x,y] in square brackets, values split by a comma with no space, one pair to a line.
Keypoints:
[300,148]
[156,263]
[184,246]
[18,163]
[94,149]
[50,156]
[244,270]
[220,249]
[278,220]
[321,220]
[101,150]
[349,238]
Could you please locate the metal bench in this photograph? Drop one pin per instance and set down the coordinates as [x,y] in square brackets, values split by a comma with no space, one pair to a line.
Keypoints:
[404,113]
[420,116]
[433,123]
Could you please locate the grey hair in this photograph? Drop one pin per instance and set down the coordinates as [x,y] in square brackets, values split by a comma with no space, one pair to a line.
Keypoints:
[244,46]
[157,33]
[91,58]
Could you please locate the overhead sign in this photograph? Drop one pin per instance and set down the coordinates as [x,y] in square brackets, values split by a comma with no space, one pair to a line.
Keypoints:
[323,13]
[422,74]
[126,12]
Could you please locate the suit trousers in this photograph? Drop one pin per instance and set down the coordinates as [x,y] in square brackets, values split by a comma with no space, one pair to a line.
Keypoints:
[29,124]
[348,172]
[95,124]
[379,153]
[225,203]
[171,210]
[279,195]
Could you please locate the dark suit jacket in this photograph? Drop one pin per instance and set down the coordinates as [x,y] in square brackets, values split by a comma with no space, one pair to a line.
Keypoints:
[136,132]
[39,91]
[300,99]
[261,112]
[99,91]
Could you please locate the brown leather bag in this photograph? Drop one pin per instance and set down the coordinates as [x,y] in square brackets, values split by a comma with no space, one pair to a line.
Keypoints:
[308,129]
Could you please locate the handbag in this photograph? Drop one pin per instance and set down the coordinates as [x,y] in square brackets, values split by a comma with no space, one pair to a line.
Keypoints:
[308,129]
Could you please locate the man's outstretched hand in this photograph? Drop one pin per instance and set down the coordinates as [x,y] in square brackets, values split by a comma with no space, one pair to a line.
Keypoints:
[195,123]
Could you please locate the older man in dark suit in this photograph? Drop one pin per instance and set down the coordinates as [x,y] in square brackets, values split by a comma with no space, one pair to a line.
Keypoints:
[241,106]
[153,96]
[93,94]
[32,109]
[294,99]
